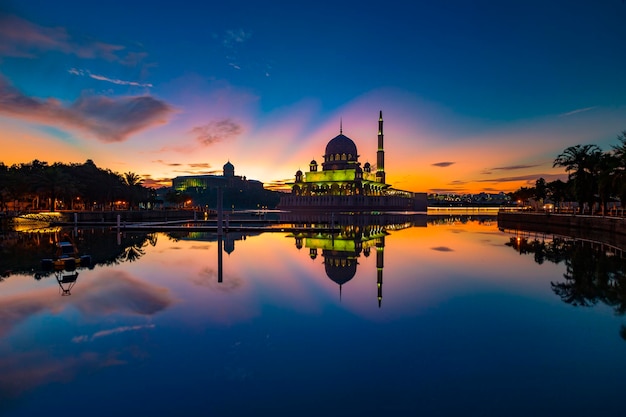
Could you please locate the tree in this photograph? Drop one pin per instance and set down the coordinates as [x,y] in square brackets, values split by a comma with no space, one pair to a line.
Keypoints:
[604,168]
[558,191]
[619,177]
[579,162]
[541,189]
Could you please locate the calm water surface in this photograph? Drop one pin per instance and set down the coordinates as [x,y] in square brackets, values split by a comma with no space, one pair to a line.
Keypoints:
[445,319]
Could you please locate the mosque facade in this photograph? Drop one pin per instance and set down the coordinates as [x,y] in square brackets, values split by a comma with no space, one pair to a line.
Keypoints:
[341,183]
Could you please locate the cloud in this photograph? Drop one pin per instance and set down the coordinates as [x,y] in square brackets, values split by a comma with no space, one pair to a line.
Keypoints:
[200,165]
[513,167]
[529,178]
[169,164]
[21,38]
[442,164]
[442,249]
[236,36]
[108,119]
[570,113]
[87,73]
[216,131]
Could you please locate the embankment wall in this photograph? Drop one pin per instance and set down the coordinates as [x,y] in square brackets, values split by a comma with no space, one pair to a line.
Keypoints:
[609,230]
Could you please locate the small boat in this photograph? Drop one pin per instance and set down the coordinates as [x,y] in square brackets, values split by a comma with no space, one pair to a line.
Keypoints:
[66,258]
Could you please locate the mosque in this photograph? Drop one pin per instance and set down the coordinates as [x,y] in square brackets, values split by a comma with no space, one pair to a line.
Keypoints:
[342,184]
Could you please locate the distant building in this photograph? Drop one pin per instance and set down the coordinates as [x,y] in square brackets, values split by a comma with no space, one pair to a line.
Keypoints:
[238,192]
[208,182]
[342,184]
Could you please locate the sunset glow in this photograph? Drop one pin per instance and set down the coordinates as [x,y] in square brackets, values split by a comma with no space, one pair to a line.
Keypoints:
[478,96]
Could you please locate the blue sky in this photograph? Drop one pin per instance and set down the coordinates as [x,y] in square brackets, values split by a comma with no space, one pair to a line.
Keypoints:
[476,95]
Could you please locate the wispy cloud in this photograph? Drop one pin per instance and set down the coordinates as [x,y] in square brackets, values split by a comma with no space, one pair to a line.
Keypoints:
[530,178]
[87,73]
[108,119]
[442,164]
[236,36]
[216,131]
[509,168]
[570,113]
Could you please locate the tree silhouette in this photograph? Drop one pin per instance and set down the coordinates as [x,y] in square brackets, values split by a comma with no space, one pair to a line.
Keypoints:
[580,162]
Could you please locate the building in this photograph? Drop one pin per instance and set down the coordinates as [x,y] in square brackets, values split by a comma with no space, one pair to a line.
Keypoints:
[207,182]
[342,184]
[238,192]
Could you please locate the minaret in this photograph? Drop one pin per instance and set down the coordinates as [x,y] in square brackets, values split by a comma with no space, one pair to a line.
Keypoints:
[380,155]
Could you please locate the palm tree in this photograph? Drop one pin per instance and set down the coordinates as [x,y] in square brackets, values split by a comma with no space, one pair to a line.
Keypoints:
[134,189]
[579,162]
[131,179]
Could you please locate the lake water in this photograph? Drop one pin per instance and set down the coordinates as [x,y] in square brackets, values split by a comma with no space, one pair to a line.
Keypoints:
[449,317]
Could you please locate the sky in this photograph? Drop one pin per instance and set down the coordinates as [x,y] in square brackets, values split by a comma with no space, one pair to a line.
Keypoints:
[477,96]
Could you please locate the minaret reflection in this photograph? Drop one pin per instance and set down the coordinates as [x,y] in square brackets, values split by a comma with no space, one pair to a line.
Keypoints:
[342,247]
[219,259]
[380,250]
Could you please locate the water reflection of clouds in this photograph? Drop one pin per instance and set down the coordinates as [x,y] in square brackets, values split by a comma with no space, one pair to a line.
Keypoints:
[110,332]
[22,371]
[118,292]
[207,277]
[107,293]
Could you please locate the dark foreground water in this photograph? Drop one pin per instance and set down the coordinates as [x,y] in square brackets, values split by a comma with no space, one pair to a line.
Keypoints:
[454,318]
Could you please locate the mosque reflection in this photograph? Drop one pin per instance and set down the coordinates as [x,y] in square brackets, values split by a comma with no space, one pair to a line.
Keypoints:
[342,238]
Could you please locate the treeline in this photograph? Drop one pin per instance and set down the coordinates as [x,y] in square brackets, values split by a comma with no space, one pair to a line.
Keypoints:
[595,177]
[39,186]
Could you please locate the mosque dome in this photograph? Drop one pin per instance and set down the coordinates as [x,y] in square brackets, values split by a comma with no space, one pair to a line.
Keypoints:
[338,268]
[341,144]
[313,162]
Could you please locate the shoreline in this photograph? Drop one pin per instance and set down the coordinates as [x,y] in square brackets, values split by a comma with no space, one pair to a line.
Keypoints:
[601,229]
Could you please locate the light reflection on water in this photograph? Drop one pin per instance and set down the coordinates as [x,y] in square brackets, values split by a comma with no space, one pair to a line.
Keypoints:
[446,318]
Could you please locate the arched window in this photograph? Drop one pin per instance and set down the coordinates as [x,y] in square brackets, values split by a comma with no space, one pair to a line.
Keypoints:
[343,157]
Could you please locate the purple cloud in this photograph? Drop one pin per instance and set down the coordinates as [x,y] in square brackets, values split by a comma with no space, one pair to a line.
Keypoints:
[514,167]
[21,38]
[216,131]
[442,164]
[108,119]
[442,249]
